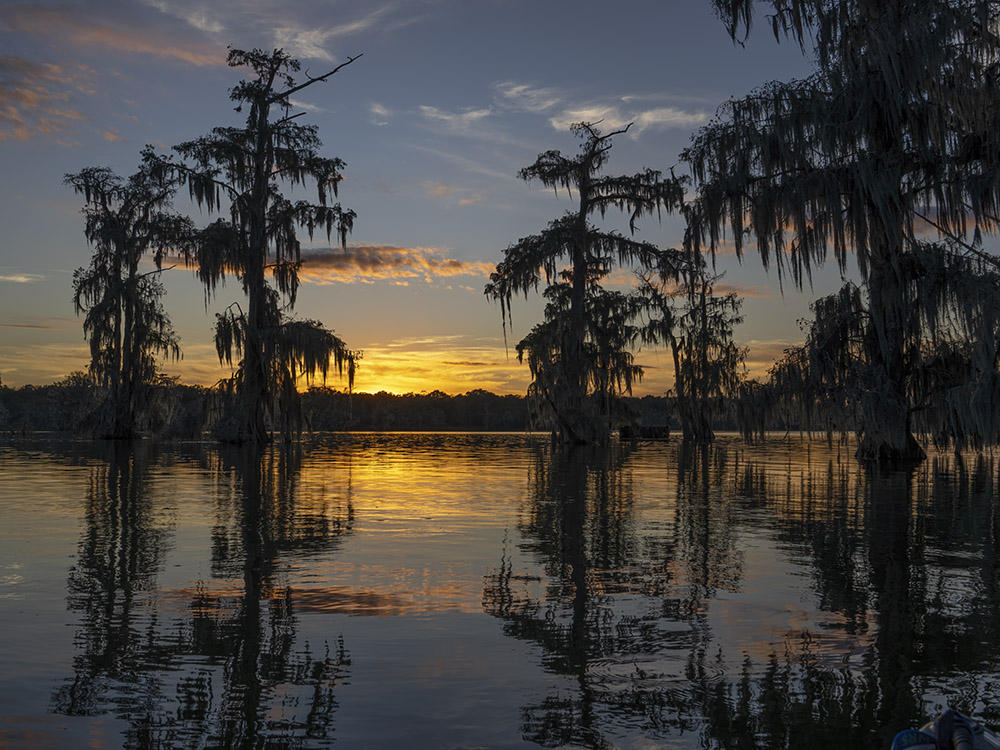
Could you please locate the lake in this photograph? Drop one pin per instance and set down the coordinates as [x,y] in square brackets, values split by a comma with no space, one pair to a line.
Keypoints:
[486,591]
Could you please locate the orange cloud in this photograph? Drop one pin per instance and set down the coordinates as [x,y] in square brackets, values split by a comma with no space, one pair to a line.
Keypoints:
[34,97]
[41,363]
[78,26]
[438,190]
[370,263]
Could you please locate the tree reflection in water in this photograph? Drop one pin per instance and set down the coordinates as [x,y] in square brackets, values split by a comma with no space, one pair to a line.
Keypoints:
[621,609]
[226,669]
[904,575]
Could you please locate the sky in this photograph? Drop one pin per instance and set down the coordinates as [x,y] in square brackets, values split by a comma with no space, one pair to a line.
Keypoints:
[449,99]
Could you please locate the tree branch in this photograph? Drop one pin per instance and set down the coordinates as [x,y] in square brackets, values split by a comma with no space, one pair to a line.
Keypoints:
[311,81]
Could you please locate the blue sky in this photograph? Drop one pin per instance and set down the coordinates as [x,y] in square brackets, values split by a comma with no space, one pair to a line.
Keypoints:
[449,100]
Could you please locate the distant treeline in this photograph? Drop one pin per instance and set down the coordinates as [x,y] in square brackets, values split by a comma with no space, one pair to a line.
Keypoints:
[179,411]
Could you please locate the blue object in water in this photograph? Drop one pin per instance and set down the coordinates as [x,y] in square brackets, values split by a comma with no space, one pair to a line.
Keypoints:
[949,731]
[914,739]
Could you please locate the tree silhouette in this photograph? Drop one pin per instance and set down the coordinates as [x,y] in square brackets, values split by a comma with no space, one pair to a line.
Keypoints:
[575,351]
[246,166]
[894,133]
[698,327]
[127,327]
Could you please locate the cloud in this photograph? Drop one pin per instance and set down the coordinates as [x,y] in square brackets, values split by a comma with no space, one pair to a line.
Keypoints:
[86,27]
[197,17]
[302,30]
[298,104]
[113,137]
[368,264]
[380,114]
[464,196]
[42,363]
[21,278]
[461,123]
[613,114]
[613,117]
[35,97]
[527,98]
[437,190]
[669,117]
[310,42]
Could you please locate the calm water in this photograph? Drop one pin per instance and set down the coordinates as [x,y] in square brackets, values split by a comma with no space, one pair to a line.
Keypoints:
[481,591]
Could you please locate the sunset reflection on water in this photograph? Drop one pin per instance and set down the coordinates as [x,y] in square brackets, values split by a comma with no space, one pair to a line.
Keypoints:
[448,590]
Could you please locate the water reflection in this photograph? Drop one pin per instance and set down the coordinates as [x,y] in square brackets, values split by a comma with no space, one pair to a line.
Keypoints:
[111,586]
[218,663]
[669,624]
[495,592]
[897,556]
[615,611]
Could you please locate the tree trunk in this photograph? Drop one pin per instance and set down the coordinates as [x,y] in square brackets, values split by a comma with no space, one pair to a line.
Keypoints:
[253,398]
[885,410]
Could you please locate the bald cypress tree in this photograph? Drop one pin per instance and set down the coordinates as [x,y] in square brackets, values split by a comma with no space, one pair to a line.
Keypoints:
[582,347]
[697,326]
[238,172]
[127,219]
[894,133]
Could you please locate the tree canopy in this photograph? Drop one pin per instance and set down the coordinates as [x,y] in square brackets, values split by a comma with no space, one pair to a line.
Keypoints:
[124,320]
[238,172]
[697,326]
[888,152]
[582,347]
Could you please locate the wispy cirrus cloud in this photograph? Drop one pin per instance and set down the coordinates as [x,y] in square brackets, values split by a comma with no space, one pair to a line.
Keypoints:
[526,97]
[198,17]
[368,264]
[303,29]
[313,43]
[614,116]
[459,123]
[121,32]
[647,112]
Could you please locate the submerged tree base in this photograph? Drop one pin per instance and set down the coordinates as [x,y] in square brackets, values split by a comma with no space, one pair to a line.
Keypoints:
[882,452]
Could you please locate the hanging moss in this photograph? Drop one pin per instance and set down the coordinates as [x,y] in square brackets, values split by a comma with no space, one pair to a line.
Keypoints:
[895,133]
[241,170]
[124,320]
[579,356]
